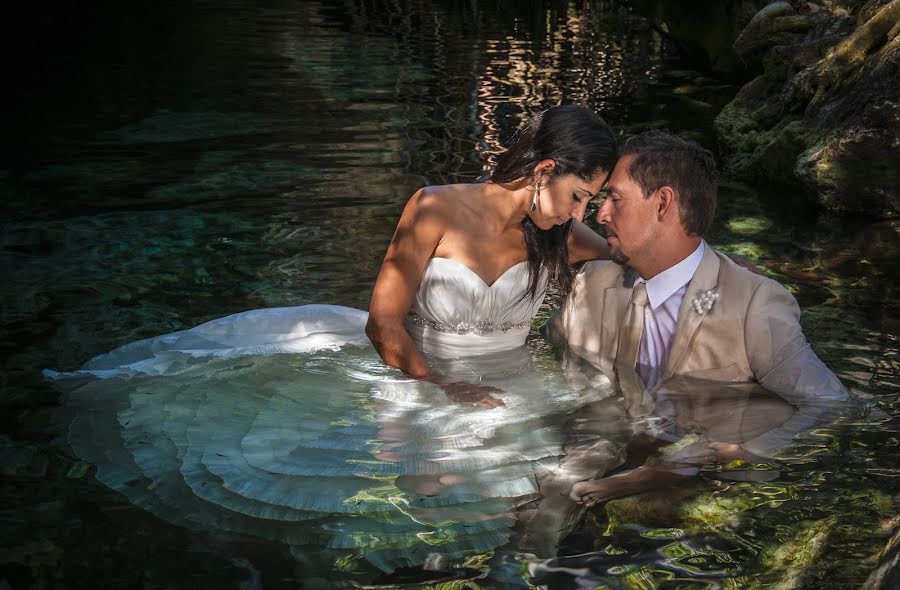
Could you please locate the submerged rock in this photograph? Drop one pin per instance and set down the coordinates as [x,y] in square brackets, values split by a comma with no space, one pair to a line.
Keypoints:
[21,459]
[798,553]
[773,529]
[824,114]
[887,574]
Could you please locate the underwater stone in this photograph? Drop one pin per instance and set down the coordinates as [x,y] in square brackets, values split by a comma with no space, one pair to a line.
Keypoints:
[656,509]
[798,554]
[21,460]
[436,562]
[316,583]
[78,470]
[887,573]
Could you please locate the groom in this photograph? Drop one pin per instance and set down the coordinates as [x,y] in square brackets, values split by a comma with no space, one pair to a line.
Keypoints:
[670,308]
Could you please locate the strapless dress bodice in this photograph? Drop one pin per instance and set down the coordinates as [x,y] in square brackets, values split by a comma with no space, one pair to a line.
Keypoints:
[456,314]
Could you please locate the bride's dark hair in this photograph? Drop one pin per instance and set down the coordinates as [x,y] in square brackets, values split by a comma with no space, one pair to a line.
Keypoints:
[581,143]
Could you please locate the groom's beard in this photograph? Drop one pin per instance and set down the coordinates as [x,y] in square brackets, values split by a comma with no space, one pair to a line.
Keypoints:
[616,254]
[618,257]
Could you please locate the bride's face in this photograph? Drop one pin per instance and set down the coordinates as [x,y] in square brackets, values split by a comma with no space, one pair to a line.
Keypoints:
[562,198]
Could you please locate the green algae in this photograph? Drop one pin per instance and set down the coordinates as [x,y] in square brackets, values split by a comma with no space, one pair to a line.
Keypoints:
[454,585]
[383,495]
[751,250]
[776,522]
[797,554]
[749,225]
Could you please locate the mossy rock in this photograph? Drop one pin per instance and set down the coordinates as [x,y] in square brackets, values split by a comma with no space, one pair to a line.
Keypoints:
[757,152]
[651,509]
[849,171]
[797,555]
[822,116]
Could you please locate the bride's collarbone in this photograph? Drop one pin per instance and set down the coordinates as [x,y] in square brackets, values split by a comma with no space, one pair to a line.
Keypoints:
[483,247]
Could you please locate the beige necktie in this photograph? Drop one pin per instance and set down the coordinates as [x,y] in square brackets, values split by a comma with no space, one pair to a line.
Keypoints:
[629,346]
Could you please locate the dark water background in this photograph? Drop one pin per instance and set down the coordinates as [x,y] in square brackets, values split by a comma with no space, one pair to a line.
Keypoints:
[163,165]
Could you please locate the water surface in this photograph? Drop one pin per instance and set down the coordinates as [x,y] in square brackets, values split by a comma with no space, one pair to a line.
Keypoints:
[168,165]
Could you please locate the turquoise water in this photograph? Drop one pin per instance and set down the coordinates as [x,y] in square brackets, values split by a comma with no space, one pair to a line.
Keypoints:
[165,168]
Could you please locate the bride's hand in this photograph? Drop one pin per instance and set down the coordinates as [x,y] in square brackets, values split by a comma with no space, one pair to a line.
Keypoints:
[463,392]
[728,452]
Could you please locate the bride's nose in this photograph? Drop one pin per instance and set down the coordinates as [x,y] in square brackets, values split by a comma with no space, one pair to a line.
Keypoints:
[578,211]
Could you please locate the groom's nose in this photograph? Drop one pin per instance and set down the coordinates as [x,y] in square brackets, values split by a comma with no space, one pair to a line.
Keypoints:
[603,212]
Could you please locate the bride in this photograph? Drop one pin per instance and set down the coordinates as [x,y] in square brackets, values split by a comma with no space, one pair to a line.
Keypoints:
[468,264]
[337,455]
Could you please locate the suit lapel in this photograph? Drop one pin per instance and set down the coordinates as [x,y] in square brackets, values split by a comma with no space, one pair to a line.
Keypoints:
[706,278]
[615,303]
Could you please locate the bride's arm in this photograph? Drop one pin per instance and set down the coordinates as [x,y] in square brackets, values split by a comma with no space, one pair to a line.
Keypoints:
[586,244]
[417,235]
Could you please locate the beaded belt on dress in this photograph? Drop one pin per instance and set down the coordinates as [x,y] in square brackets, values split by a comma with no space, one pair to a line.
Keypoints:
[480,328]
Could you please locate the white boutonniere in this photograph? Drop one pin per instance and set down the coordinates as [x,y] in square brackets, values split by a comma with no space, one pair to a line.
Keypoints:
[704,301]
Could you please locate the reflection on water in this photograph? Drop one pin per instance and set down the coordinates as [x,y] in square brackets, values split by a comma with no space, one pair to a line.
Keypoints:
[164,168]
[389,473]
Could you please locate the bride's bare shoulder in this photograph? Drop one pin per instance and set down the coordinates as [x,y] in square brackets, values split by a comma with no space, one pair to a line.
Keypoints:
[446,199]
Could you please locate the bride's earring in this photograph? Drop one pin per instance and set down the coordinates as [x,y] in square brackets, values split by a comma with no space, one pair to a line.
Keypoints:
[537,193]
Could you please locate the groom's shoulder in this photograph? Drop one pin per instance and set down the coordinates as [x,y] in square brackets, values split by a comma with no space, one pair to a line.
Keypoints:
[749,284]
[731,271]
[600,271]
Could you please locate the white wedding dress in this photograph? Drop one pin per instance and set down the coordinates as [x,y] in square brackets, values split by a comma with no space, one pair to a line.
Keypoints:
[283,424]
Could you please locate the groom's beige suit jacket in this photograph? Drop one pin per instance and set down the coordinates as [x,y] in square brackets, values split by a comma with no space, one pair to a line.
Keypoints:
[751,334]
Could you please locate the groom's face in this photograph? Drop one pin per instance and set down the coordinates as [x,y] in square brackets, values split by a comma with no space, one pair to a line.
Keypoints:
[629,217]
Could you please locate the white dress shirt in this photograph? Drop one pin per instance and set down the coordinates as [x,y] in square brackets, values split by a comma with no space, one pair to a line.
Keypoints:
[665,293]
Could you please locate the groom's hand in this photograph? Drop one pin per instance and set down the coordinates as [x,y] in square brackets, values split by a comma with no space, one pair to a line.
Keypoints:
[473,394]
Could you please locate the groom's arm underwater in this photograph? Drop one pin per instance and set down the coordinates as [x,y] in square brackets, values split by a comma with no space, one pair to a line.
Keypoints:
[784,363]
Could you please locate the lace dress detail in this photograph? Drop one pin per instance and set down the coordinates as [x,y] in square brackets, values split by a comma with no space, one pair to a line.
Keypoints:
[480,328]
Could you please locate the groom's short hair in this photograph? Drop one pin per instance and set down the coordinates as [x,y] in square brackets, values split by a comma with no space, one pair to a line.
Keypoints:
[664,159]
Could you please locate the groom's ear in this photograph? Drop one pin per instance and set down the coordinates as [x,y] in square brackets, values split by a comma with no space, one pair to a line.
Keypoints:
[665,202]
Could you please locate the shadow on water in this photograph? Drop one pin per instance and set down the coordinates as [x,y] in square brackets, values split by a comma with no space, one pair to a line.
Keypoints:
[166,165]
